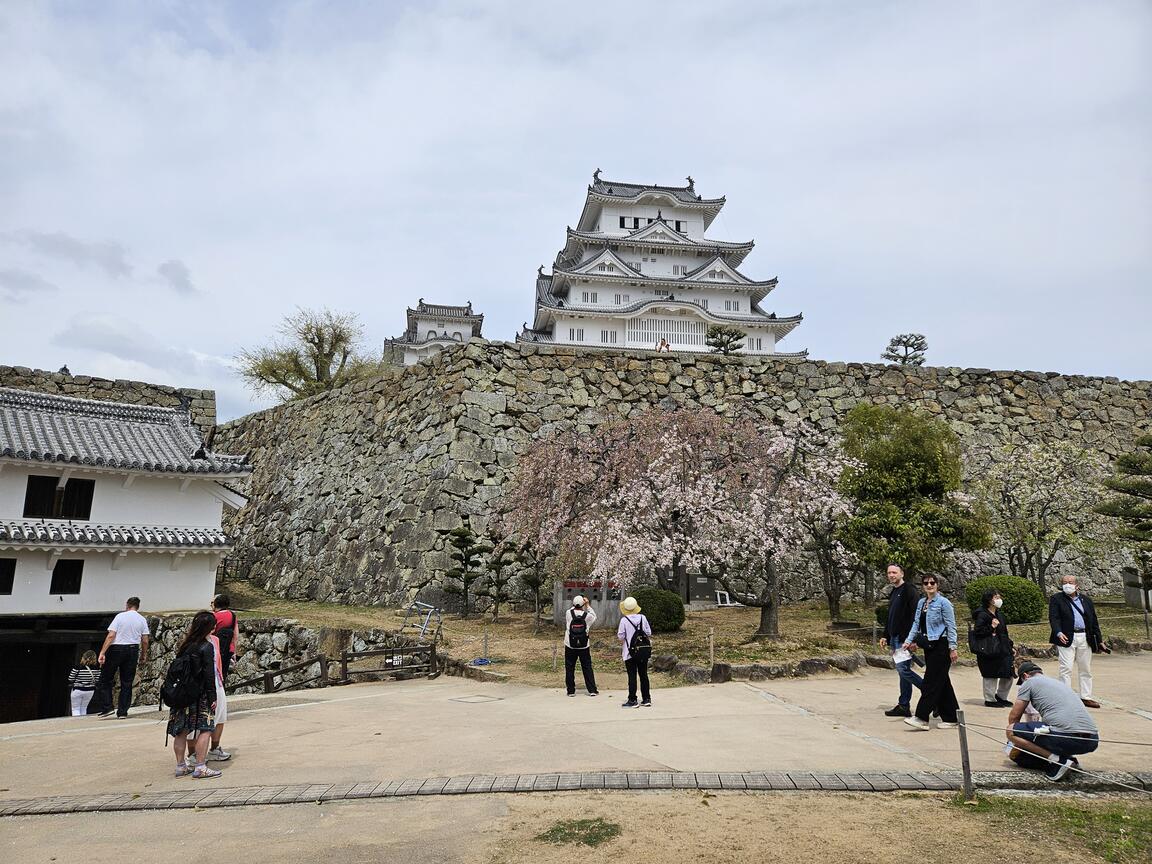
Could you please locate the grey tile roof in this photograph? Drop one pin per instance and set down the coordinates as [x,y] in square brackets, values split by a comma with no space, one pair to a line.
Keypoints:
[617,189]
[37,427]
[49,533]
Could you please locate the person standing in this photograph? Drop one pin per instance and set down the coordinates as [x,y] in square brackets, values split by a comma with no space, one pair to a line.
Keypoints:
[635,634]
[1067,730]
[901,609]
[125,647]
[934,629]
[577,622]
[227,631]
[993,650]
[1076,635]
[196,718]
[83,679]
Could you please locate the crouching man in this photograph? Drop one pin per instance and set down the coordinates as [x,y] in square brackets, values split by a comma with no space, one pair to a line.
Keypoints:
[1066,731]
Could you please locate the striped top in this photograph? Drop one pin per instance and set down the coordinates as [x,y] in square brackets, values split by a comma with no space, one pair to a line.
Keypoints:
[84,677]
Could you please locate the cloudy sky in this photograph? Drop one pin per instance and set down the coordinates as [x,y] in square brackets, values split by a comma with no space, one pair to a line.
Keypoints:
[175,177]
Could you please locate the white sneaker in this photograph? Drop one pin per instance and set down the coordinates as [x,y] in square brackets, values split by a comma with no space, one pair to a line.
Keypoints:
[917,724]
[944,724]
[219,754]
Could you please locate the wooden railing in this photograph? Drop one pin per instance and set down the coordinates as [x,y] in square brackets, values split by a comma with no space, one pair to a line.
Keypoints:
[405,660]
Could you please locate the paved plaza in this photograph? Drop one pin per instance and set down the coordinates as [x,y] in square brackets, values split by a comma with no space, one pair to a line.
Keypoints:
[417,730]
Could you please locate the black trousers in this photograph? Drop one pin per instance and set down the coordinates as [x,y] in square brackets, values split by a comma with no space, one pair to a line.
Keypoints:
[638,668]
[225,663]
[937,694]
[122,659]
[584,655]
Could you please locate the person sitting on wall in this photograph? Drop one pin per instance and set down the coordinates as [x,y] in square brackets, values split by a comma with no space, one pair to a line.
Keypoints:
[1066,732]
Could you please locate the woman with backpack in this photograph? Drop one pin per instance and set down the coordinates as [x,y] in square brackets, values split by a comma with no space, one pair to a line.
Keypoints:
[577,622]
[635,635]
[190,688]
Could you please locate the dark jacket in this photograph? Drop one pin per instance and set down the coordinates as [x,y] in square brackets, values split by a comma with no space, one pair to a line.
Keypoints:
[1061,619]
[206,663]
[1000,665]
[901,608]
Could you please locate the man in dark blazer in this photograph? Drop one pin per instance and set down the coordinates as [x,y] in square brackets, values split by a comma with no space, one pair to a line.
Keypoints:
[1076,635]
[901,609]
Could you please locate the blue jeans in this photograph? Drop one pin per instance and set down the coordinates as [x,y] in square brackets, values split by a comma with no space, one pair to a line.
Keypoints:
[908,679]
[1060,743]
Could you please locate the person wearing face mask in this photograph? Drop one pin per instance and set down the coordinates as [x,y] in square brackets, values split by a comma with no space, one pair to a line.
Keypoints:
[1076,635]
[934,630]
[993,650]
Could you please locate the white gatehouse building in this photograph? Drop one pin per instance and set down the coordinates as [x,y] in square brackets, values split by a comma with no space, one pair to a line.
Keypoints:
[434,326]
[99,501]
[638,269]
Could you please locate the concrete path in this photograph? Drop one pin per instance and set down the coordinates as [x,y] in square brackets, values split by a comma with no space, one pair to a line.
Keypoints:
[379,734]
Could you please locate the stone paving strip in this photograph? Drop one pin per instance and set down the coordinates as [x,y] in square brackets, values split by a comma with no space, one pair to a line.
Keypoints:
[796,781]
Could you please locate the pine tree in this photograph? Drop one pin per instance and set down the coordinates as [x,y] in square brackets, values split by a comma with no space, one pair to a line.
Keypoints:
[724,340]
[467,553]
[1132,508]
[907,349]
[498,574]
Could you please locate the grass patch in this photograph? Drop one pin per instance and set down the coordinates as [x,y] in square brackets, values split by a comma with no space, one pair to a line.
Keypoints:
[586,832]
[1118,830]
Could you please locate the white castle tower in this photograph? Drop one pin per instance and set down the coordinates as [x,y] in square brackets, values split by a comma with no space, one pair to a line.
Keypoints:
[637,269]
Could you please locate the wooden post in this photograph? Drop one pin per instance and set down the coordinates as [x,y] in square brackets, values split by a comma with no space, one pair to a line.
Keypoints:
[1147,632]
[875,641]
[555,648]
[268,683]
[485,654]
[344,666]
[965,764]
[323,678]
[711,647]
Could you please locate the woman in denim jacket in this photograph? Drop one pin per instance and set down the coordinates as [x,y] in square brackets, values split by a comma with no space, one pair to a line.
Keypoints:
[934,629]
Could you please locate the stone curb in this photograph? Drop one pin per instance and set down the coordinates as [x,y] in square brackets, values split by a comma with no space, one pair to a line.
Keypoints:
[841,781]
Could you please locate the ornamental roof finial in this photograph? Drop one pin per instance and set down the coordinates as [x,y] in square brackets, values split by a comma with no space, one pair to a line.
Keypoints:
[540,270]
[469,305]
[596,176]
[659,215]
[420,302]
[691,184]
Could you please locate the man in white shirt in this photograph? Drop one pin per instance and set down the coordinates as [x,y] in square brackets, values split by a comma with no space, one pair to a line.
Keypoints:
[124,648]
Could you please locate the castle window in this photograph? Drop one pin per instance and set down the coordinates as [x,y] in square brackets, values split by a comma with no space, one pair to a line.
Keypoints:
[44,499]
[591,297]
[575,334]
[681,226]
[7,575]
[602,267]
[731,305]
[608,337]
[622,225]
[66,576]
[703,303]
[662,292]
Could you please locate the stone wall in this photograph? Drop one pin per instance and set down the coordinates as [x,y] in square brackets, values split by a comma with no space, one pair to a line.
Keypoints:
[266,644]
[354,489]
[202,402]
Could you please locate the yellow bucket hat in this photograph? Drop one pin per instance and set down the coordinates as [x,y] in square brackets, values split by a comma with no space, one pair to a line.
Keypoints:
[629,606]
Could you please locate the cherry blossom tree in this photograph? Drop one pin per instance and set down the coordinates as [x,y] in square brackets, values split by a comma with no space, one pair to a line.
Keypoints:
[1036,495]
[677,489]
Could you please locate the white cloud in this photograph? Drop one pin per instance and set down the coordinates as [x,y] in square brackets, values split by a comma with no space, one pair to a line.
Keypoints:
[177,275]
[15,284]
[979,173]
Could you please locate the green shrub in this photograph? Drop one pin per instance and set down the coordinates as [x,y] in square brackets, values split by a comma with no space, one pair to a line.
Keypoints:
[665,609]
[1024,602]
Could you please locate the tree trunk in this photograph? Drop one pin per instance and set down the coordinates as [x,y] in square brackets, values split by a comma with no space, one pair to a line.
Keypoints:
[834,604]
[869,587]
[769,622]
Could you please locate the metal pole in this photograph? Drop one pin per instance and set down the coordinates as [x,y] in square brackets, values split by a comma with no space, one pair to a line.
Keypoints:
[969,789]
[711,647]
[485,643]
[1147,632]
[554,649]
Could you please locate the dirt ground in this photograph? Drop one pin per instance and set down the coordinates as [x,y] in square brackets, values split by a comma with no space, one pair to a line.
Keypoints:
[524,652]
[732,828]
[751,828]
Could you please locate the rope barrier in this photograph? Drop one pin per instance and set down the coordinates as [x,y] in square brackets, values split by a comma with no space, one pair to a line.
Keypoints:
[1071,735]
[1109,780]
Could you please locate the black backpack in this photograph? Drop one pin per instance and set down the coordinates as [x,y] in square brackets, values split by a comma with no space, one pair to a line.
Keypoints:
[578,631]
[184,681]
[640,645]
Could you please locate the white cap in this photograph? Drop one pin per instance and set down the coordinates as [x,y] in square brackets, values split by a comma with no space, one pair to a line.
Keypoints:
[578,600]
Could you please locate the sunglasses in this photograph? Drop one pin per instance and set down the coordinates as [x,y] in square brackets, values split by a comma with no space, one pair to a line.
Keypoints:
[928,582]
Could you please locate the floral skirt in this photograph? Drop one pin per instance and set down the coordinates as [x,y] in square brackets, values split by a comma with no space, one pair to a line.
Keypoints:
[197,717]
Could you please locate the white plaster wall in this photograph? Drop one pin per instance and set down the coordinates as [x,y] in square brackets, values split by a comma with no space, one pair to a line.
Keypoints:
[611,213]
[148,501]
[147,575]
